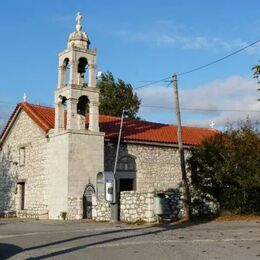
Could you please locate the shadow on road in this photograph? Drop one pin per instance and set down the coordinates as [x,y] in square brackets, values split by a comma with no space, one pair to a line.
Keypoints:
[128,233]
[8,250]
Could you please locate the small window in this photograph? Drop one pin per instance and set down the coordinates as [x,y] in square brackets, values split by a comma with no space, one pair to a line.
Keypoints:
[22,156]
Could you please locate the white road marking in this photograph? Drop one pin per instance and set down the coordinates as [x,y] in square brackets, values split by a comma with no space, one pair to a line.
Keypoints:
[63,231]
[170,241]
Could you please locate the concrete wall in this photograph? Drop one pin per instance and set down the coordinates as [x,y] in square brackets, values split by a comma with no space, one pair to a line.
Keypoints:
[24,133]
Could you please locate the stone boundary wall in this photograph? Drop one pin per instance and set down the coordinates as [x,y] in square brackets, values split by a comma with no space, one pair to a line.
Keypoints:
[135,206]
[101,210]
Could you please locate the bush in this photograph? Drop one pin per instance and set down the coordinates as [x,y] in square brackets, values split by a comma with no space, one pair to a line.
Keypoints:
[227,166]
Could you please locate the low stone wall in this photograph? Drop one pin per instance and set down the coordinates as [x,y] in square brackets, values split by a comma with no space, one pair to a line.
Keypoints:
[150,206]
[203,204]
[101,210]
[136,206]
[173,204]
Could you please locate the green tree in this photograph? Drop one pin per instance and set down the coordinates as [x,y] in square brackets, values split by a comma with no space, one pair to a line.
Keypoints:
[227,166]
[256,73]
[116,96]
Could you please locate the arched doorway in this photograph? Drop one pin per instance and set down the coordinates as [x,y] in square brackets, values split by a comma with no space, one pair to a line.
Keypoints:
[87,201]
[126,173]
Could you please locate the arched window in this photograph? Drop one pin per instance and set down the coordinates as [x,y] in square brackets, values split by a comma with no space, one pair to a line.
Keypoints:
[66,67]
[126,163]
[82,66]
[100,185]
[82,106]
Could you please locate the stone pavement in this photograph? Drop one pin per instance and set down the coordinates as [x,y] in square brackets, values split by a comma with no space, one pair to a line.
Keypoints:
[28,239]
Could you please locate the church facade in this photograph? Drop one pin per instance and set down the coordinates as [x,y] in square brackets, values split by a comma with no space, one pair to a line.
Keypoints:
[52,160]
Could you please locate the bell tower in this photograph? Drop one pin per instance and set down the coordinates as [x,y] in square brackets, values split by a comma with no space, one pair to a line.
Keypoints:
[75,147]
[76,90]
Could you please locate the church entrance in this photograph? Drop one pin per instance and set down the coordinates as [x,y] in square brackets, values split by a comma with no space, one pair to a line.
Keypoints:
[87,201]
[126,184]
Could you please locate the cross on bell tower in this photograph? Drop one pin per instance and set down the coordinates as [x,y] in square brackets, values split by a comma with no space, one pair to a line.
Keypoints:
[76,90]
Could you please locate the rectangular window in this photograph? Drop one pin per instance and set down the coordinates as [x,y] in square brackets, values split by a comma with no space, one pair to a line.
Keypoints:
[22,156]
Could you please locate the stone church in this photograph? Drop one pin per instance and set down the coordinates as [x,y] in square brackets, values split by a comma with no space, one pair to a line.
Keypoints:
[52,160]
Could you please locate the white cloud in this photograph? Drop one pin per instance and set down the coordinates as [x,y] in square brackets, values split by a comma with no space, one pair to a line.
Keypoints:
[233,93]
[169,34]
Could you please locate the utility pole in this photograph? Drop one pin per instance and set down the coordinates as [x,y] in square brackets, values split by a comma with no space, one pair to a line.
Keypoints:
[185,185]
[114,205]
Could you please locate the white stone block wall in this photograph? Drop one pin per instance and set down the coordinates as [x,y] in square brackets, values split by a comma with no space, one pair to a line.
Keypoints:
[140,206]
[135,206]
[24,133]
[101,210]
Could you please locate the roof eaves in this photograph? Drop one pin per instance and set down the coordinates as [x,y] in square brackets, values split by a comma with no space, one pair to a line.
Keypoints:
[162,144]
[30,112]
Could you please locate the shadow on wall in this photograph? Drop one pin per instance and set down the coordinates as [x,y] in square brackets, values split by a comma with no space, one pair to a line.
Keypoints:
[202,205]
[8,177]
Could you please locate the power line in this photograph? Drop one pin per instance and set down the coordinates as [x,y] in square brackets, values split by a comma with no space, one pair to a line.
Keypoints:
[203,109]
[153,82]
[203,66]
[171,108]
[216,61]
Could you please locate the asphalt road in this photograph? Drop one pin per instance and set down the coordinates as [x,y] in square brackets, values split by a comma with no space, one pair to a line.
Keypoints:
[29,239]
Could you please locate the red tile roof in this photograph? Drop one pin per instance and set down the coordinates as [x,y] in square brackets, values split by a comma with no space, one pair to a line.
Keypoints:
[133,130]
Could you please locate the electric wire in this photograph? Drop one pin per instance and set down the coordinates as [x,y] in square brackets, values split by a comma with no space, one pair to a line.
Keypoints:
[202,109]
[8,104]
[218,60]
[201,67]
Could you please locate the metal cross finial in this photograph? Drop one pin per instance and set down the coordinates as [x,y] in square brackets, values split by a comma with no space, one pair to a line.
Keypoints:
[212,124]
[78,20]
[24,97]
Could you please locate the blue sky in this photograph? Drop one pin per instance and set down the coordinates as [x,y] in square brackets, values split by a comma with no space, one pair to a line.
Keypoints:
[138,41]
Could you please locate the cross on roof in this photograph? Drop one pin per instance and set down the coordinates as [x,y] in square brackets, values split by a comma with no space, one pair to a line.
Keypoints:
[78,20]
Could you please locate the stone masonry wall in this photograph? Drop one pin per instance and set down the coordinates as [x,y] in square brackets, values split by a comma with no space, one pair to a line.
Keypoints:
[101,210]
[157,167]
[24,133]
[75,208]
[136,206]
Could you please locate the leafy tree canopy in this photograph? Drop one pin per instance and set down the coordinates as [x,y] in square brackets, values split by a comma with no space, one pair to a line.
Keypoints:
[256,73]
[227,166]
[116,95]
